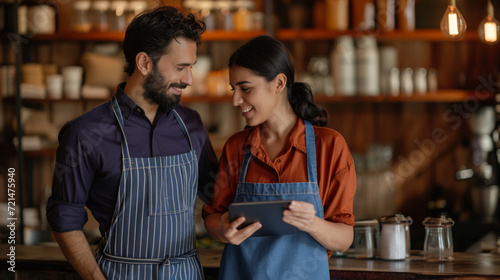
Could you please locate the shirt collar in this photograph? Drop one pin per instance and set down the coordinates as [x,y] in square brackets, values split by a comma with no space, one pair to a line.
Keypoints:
[127,105]
[297,139]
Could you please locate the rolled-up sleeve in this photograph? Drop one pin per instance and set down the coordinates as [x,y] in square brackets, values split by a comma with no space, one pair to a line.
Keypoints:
[73,175]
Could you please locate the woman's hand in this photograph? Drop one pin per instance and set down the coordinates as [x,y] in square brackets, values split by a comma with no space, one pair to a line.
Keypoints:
[231,232]
[301,215]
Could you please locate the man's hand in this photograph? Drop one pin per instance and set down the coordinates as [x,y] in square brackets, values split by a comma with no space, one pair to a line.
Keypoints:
[76,249]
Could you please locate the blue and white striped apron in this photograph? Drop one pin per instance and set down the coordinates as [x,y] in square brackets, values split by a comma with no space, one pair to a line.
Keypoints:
[152,234]
[288,257]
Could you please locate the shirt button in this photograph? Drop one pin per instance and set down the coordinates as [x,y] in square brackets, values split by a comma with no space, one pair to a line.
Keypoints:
[138,110]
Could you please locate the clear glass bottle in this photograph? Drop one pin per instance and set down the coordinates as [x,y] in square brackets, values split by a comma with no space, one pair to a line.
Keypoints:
[134,8]
[81,16]
[117,16]
[100,20]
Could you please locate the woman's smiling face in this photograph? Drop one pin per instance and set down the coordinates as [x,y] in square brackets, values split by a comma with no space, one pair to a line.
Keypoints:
[252,94]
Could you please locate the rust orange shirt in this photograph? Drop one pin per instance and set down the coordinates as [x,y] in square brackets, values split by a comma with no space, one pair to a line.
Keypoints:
[335,167]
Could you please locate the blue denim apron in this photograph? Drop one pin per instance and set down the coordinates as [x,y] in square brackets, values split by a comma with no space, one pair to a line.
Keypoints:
[297,256]
[152,234]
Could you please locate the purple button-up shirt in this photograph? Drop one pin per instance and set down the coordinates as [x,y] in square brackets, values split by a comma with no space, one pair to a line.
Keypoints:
[88,164]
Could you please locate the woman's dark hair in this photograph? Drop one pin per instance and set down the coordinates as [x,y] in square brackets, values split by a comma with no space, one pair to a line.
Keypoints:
[153,30]
[267,57]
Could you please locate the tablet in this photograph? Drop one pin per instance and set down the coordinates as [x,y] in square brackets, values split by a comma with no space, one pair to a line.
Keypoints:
[268,213]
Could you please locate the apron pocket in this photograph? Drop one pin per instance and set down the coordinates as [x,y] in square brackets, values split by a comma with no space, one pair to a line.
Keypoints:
[167,190]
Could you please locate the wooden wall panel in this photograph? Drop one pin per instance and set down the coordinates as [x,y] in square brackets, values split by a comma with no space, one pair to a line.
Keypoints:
[428,148]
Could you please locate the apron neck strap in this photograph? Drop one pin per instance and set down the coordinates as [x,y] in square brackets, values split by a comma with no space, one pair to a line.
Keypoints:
[244,164]
[119,117]
[311,156]
[183,127]
[311,152]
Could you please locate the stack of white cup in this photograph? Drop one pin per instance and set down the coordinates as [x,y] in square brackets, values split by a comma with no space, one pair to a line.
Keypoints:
[54,84]
[72,81]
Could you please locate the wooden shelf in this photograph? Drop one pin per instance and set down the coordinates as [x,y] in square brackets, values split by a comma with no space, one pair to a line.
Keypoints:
[418,34]
[50,101]
[215,35]
[282,34]
[442,96]
[41,153]
[221,35]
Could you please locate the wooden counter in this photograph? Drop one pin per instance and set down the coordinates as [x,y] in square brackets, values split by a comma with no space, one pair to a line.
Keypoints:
[48,262]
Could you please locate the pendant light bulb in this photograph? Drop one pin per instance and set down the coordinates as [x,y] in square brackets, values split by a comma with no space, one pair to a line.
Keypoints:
[489,28]
[453,23]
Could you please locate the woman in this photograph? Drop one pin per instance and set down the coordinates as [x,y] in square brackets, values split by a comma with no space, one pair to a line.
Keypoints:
[273,160]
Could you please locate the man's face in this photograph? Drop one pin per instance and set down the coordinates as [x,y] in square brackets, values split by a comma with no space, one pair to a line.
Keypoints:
[171,74]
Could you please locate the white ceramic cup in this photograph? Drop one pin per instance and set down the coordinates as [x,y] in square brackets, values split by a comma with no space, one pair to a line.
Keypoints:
[54,85]
[72,81]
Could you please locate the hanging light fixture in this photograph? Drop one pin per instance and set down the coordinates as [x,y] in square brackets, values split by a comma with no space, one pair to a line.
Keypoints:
[453,23]
[489,28]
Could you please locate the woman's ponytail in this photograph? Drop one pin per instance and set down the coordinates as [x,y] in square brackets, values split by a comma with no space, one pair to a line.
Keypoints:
[300,97]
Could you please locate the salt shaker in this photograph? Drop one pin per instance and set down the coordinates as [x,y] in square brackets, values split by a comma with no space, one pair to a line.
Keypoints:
[393,237]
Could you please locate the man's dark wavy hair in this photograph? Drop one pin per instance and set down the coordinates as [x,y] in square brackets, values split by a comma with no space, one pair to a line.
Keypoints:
[153,30]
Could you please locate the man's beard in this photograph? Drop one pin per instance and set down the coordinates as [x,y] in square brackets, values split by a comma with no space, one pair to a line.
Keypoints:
[155,91]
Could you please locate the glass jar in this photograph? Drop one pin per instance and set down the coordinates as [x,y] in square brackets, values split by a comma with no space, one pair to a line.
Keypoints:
[407,235]
[117,16]
[366,239]
[393,237]
[100,20]
[81,16]
[438,244]
[386,14]
[134,8]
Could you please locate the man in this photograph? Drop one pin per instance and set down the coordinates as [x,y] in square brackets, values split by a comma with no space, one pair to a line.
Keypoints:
[136,162]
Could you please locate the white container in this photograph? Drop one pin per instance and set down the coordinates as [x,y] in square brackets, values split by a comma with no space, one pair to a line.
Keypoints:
[343,61]
[394,84]
[72,81]
[367,66]
[420,81]
[393,237]
[54,85]
[41,19]
[406,77]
